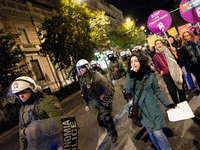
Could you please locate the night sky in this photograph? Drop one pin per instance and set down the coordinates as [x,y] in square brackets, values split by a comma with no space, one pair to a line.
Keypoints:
[141,9]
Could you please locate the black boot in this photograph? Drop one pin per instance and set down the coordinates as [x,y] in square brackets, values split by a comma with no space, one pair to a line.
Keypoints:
[111,128]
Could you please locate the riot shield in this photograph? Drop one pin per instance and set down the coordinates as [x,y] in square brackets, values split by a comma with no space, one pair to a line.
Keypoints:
[51,133]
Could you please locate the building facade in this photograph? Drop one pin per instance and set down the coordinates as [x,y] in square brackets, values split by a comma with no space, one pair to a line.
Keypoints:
[114,15]
[23,17]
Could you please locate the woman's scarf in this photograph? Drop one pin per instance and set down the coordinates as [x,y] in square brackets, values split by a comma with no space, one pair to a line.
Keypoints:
[174,69]
[193,48]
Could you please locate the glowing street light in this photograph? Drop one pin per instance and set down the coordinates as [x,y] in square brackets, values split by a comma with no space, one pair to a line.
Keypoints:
[142,27]
[128,20]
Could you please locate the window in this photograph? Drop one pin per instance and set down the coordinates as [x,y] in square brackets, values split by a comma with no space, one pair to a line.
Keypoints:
[37,70]
[23,36]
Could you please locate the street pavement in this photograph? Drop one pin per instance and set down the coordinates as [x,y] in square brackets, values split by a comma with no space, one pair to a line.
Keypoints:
[182,135]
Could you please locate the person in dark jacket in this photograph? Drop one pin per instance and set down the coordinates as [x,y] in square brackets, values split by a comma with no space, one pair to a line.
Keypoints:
[191,54]
[149,107]
[36,106]
[96,67]
[152,52]
[116,71]
[176,51]
[97,93]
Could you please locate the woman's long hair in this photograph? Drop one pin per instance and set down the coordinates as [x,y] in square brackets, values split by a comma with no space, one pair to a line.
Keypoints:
[193,37]
[174,43]
[143,59]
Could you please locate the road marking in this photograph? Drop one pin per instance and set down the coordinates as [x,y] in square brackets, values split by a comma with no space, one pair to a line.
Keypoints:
[104,138]
[69,113]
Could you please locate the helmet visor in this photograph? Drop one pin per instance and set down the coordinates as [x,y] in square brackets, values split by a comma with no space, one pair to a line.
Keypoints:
[79,69]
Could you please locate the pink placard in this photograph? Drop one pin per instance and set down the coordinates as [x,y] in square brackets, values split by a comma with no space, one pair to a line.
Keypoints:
[159,21]
[190,10]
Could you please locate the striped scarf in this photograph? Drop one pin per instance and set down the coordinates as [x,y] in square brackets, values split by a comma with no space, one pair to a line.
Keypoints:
[174,69]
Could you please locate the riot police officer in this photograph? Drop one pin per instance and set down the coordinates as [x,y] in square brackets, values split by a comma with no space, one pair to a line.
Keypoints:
[96,67]
[36,105]
[97,94]
[116,71]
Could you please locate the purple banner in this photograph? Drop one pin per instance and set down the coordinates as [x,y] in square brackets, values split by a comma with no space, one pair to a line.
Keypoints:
[159,21]
[190,10]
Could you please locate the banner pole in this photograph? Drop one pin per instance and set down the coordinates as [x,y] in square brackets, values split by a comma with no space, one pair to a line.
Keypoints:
[174,52]
[168,39]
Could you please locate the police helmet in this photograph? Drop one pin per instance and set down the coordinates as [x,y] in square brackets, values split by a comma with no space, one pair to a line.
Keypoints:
[110,53]
[93,62]
[24,82]
[123,53]
[82,64]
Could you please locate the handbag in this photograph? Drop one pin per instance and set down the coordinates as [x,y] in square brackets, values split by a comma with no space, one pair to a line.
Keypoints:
[134,109]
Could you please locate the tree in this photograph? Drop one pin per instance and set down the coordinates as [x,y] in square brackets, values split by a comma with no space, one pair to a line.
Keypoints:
[10,62]
[67,35]
[99,25]
[126,36]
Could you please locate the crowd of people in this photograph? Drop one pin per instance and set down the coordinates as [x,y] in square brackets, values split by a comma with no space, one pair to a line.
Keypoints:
[176,61]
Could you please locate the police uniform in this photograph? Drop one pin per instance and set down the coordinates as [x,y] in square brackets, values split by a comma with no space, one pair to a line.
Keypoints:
[117,73]
[38,107]
[93,85]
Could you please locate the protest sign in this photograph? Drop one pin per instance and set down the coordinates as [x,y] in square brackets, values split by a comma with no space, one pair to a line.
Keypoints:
[151,40]
[159,21]
[183,112]
[172,31]
[190,10]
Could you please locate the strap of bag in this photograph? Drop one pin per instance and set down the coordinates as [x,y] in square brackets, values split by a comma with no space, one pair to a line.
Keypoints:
[163,62]
[166,65]
[141,90]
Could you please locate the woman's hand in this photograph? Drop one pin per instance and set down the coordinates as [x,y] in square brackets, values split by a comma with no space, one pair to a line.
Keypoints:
[172,106]
[173,49]
[87,108]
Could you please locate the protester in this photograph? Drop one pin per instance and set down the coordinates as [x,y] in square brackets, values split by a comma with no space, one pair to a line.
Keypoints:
[97,94]
[196,31]
[36,105]
[116,71]
[176,51]
[166,65]
[191,54]
[152,52]
[151,113]
[165,42]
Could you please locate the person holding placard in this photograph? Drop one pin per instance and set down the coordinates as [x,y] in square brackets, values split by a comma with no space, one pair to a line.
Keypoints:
[166,65]
[176,51]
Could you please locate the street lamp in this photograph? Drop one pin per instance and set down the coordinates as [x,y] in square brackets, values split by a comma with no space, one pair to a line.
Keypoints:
[142,27]
[128,20]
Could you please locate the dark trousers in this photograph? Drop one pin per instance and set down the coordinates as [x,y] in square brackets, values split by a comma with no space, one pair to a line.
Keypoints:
[173,90]
[196,72]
